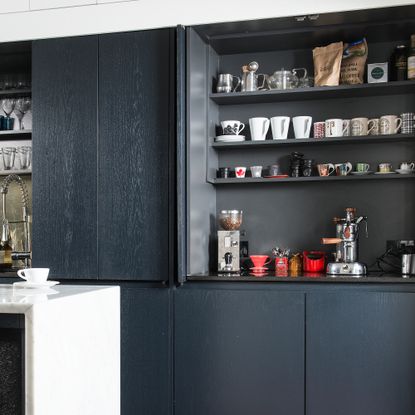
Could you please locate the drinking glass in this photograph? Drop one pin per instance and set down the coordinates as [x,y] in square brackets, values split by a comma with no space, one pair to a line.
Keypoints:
[22,106]
[9,154]
[24,157]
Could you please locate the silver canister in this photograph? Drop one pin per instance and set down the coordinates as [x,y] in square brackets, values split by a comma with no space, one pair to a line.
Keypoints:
[408,264]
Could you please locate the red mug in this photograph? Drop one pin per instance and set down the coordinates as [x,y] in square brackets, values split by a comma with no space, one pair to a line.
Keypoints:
[259,261]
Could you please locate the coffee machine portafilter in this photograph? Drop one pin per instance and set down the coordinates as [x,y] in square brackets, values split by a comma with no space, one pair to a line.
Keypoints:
[347,245]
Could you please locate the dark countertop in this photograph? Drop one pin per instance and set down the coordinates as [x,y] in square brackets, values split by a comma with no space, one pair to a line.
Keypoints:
[374,277]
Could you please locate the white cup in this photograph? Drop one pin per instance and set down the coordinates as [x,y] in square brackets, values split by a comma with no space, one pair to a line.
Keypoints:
[256,171]
[390,124]
[279,127]
[407,166]
[259,127]
[34,275]
[334,127]
[232,127]
[302,126]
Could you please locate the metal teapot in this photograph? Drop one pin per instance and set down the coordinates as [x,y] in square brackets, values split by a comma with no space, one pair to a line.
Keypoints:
[249,81]
[286,79]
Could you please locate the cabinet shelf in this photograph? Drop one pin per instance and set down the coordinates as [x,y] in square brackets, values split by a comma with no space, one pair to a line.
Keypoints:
[16,92]
[314,93]
[16,135]
[262,180]
[393,138]
[19,172]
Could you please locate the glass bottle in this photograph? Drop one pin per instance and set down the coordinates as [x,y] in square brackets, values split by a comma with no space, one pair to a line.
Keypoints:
[411,59]
[400,63]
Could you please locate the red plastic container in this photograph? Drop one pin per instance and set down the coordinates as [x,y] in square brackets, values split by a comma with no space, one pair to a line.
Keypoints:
[314,261]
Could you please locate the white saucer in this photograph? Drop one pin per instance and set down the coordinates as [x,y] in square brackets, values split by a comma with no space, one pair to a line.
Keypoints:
[361,173]
[386,172]
[230,138]
[404,171]
[26,284]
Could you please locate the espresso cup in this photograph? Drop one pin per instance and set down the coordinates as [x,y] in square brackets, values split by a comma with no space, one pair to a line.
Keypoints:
[232,127]
[256,171]
[343,169]
[279,127]
[362,167]
[385,168]
[259,127]
[334,127]
[302,126]
[407,166]
[34,275]
[374,126]
[240,172]
[359,126]
[390,124]
[325,169]
[319,129]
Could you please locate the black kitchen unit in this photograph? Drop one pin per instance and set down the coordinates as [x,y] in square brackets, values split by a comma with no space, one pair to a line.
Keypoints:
[125,192]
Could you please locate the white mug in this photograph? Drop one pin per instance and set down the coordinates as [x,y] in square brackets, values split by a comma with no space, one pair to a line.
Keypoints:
[407,166]
[279,127]
[302,126]
[390,124]
[34,275]
[259,127]
[232,127]
[334,127]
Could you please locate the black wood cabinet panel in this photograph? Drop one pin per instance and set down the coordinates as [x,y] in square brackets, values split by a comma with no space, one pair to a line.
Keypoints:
[145,351]
[65,156]
[360,354]
[239,352]
[135,139]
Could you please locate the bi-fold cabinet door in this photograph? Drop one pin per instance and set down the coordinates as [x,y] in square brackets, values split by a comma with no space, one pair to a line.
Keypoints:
[103,150]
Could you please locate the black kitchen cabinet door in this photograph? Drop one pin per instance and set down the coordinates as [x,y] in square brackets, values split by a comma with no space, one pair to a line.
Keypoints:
[145,351]
[136,140]
[239,352]
[360,354]
[64,78]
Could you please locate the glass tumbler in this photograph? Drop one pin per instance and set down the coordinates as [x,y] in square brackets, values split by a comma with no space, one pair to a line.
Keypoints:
[24,157]
[9,154]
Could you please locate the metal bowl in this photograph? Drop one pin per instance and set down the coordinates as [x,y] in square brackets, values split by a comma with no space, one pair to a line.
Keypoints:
[230,220]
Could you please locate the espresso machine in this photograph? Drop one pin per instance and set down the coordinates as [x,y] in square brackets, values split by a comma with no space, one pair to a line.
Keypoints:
[347,245]
[229,242]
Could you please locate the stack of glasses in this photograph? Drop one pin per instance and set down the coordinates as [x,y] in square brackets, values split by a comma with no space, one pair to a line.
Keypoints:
[16,157]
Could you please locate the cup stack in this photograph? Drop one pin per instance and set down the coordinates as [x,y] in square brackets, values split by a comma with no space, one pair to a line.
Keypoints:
[296,164]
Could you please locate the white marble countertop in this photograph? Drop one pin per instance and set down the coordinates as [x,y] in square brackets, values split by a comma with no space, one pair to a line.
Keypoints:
[19,300]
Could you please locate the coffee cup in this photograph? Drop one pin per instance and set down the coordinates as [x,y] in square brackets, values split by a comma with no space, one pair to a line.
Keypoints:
[319,128]
[407,166]
[362,167]
[259,127]
[334,127]
[374,124]
[343,169]
[359,126]
[256,171]
[390,124]
[279,127]
[325,169]
[259,261]
[240,172]
[302,126]
[34,275]
[385,168]
[232,127]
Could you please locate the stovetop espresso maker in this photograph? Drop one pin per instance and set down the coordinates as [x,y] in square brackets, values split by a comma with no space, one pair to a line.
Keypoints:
[347,245]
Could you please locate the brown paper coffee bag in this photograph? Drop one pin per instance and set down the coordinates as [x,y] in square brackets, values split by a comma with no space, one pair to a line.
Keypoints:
[327,62]
[353,62]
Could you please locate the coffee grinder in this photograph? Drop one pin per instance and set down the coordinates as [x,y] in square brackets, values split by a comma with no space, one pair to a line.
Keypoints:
[347,239]
[229,242]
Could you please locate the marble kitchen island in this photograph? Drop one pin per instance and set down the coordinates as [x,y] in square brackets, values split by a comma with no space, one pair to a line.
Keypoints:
[70,350]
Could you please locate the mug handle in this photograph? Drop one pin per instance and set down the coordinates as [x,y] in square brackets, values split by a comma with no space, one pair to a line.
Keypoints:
[344,128]
[349,167]
[399,123]
[412,165]
[237,84]
[266,127]
[264,80]
[295,70]
[331,168]
[20,273]
[371,128]
[367,167]
[241,127]
[268,262]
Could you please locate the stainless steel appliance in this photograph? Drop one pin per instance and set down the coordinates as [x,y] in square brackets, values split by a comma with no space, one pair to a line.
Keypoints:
[347,244]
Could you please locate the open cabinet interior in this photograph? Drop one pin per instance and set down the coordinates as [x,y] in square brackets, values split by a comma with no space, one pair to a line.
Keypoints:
[295,213]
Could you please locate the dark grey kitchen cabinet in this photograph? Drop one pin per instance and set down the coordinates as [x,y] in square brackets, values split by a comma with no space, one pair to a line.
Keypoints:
[238,352]
[136,149]
[145,351]
[360,353]
[64,78]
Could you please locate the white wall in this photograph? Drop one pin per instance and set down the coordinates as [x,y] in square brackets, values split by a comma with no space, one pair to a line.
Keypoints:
[100,16]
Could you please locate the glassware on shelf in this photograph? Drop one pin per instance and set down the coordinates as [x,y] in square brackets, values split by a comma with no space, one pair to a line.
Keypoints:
[9,154]
[22,106]
[24,157]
